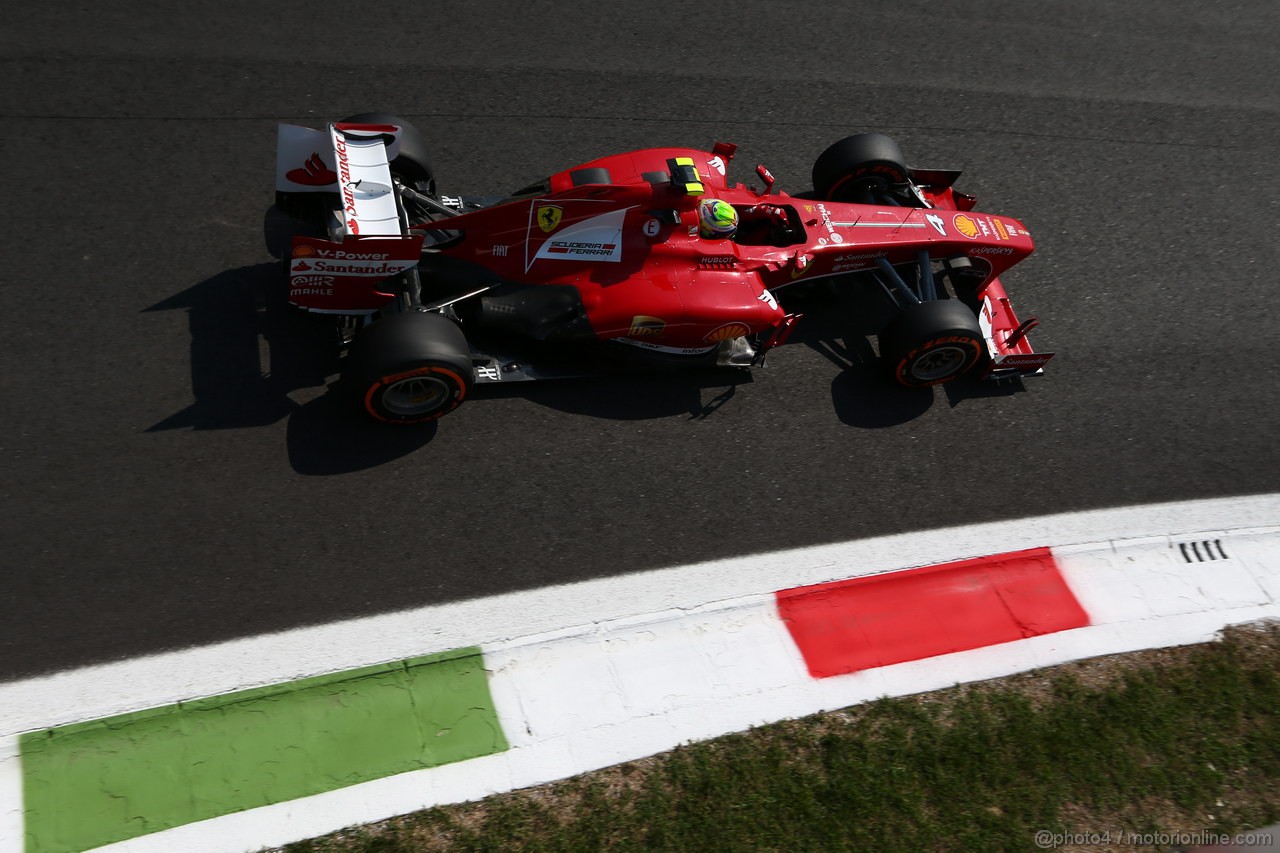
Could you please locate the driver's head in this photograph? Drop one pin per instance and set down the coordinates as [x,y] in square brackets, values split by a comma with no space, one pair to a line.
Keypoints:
[717,220]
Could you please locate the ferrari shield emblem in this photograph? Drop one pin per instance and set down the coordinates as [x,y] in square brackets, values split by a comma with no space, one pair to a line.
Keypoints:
[549,217]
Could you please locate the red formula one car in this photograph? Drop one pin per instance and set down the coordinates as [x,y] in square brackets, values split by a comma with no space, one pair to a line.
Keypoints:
[616,260]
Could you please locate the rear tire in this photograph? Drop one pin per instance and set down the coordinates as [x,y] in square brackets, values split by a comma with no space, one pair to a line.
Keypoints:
[931,343]
[312,209]
[412,163]
[410,368]
[858,168]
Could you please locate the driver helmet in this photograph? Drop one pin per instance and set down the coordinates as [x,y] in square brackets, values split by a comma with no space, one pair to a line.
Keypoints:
[717,219]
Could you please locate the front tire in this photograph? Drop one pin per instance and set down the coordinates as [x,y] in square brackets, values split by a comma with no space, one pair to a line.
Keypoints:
[931,343]
[410,368]
[859,168]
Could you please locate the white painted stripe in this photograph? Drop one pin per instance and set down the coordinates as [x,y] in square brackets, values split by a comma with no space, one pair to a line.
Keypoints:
[894,225]
[12,836]
[1149,579]
[107,689]
[555,687]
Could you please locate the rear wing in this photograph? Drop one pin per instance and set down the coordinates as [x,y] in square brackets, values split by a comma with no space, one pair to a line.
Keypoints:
[351,160]
[351,272]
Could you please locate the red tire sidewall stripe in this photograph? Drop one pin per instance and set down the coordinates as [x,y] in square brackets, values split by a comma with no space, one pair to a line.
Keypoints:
[975,348]
[420,371]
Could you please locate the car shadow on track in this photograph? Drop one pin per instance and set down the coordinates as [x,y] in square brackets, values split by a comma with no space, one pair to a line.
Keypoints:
[862,395]
[256,361]
[330,436]
[837,325]
[228,316]
[631,396]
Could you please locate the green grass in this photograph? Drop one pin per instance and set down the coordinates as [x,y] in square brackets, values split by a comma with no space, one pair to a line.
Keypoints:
[1185,739]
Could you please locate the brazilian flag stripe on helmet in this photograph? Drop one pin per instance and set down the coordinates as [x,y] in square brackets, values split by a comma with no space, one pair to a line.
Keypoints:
[721,213]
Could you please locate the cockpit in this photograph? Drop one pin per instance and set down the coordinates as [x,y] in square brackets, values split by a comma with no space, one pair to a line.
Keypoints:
[768,225]
[759,224]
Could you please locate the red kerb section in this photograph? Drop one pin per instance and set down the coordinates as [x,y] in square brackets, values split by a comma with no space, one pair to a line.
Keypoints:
[846,626]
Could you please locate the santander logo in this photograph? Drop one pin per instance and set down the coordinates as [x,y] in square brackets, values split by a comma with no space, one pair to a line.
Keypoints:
[314,173]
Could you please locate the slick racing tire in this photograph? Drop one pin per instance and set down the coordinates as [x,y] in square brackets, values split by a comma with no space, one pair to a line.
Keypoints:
[310,208]
[409,368]
[859,168]
[411,163]
[931,343]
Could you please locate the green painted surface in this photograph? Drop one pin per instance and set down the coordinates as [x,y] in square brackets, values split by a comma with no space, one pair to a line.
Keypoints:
[93,783]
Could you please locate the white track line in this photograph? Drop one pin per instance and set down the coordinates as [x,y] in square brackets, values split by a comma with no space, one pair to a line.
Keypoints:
[106,689]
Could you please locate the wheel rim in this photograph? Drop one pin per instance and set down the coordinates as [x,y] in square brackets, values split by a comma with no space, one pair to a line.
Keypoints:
[416,396]
[939,363]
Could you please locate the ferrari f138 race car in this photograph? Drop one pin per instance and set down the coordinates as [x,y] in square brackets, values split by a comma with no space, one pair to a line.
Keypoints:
[652,256]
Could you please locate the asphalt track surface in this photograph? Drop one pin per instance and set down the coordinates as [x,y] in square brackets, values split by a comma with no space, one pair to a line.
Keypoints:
[176,471]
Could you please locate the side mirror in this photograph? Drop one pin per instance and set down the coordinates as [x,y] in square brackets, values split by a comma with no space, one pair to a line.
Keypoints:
[767,177]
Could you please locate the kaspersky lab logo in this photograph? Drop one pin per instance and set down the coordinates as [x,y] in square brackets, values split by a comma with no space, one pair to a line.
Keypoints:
[549,216]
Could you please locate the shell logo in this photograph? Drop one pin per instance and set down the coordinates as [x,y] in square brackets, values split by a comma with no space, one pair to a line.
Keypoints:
[727,331]
[303,251]
[965,225]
